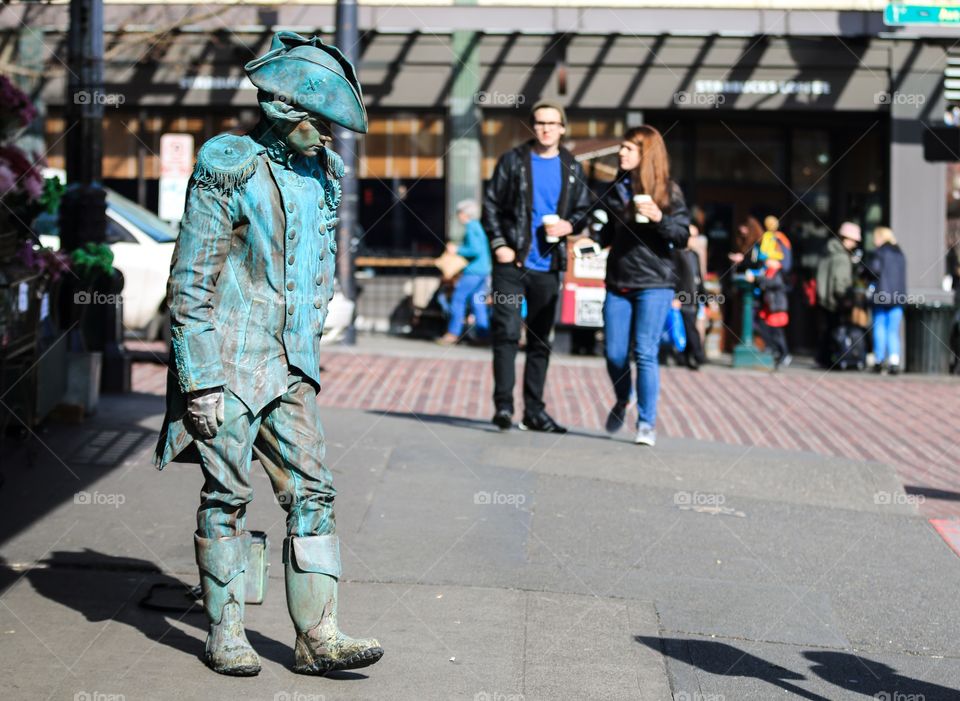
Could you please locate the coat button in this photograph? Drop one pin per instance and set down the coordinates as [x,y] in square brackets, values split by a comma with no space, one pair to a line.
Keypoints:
[333,245]
[290,310]
[319,279]
[290,285]
[290,259]
[290,207]
[317,303]
[292,235]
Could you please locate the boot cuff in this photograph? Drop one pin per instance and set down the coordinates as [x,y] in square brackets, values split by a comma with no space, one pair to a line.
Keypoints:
[222,558]
[315,553]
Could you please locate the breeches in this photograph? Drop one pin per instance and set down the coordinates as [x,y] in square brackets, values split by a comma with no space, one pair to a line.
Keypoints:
[287,438]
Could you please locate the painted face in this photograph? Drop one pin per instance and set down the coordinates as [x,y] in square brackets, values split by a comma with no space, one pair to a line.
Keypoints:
[629,155]
[548,127]
[309,136]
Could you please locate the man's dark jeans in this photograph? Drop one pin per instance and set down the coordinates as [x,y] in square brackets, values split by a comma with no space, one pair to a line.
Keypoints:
[511,286]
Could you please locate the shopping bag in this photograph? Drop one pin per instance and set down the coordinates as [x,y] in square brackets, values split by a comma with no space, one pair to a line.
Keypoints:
[675,330]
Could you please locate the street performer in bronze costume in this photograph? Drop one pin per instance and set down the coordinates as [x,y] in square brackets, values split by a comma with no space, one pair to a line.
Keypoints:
[251,278]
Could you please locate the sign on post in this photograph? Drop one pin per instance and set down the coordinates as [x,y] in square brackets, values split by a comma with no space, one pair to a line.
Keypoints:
[176,164]
[900,13]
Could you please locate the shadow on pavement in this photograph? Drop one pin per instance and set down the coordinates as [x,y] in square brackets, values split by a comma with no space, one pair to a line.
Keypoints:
[103,587]
[727,661]
[847,671]
[46,469]
[931,493]
[874,679]
[476,424]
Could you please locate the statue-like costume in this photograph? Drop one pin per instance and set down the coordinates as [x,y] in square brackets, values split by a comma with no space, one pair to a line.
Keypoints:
[252,274]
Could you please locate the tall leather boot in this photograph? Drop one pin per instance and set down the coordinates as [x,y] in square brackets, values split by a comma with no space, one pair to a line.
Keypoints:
[312,568]
[222,562]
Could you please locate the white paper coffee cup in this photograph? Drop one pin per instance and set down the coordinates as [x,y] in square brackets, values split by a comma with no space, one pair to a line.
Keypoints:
[637,200]
[550,220]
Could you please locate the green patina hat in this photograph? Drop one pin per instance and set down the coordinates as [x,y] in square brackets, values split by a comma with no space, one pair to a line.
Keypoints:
[312,75]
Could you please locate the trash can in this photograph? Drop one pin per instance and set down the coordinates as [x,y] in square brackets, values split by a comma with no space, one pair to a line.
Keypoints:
[929,328]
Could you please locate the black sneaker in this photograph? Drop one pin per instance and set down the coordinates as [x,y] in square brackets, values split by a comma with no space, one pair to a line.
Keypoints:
[615,418]
[503,419]
[541,422]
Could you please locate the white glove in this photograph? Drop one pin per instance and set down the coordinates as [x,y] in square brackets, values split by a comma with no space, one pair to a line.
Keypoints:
[205,409]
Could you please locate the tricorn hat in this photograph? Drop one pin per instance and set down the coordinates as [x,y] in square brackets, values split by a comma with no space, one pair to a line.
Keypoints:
[312,75]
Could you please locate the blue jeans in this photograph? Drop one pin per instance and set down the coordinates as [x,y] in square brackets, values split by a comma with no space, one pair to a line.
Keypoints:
[886,334]
[472,290]
[639,317]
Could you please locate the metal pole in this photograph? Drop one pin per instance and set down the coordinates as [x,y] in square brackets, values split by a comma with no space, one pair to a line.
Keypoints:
[83,216]
[346,144]
[83,210]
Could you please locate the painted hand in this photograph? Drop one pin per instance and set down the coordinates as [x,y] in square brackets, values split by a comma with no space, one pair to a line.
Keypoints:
[205,409]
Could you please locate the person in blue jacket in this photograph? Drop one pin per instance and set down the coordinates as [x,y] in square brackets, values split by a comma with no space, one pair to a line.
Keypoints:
[473,287]
[889,269]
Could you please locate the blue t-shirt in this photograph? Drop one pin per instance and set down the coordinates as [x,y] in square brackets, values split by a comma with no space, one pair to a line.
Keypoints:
[546,175]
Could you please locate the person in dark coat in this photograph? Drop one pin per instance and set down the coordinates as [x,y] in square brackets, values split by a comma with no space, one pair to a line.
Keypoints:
[889,269]
[648,220]
[690,295]
[537,197]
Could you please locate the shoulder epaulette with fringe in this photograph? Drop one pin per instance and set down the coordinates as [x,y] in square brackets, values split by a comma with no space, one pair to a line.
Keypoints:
[225,163]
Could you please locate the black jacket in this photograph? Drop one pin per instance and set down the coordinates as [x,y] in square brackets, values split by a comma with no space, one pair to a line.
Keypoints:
[641,255]
[889,269]
[774,290]
[508,203]
[690,283]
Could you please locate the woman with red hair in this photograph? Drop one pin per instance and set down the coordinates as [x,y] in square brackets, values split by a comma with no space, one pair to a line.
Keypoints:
[647,220]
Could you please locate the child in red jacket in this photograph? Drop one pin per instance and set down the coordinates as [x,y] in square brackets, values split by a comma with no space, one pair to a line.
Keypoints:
[774,315]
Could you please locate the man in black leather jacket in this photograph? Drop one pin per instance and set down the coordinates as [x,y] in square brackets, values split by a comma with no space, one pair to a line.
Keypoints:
[531,182]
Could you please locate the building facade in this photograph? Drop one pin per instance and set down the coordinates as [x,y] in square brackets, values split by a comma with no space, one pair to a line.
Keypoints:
[813,115]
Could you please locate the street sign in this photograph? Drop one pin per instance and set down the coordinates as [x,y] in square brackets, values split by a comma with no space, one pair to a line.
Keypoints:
[898,14]
[176,164]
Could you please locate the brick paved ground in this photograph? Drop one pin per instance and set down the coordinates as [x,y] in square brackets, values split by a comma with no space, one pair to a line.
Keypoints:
[906,422]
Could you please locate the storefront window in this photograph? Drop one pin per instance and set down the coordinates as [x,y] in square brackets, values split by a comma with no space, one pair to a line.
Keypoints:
[403,146]
[739,154]
[809,167]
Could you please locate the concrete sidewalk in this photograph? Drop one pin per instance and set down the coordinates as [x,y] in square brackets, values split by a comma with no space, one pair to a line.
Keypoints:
[492,566]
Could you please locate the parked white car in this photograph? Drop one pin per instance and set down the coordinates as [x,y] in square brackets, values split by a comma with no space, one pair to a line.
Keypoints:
[142,246]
